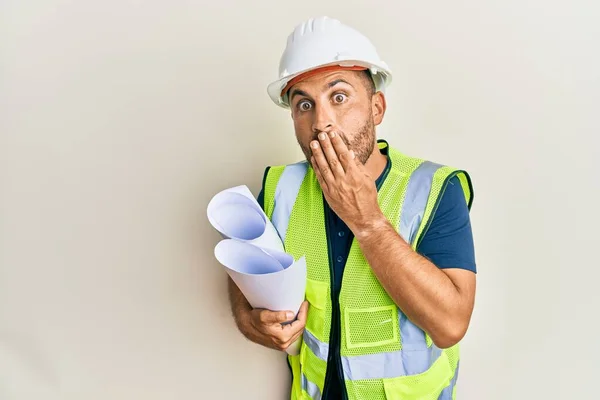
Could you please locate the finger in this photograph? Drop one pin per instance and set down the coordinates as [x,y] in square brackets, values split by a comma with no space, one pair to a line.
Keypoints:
[322,164]
[268,317]
[318,174]
[284,343]
[359,166]
[288,332]
[330,153]
[281,334]
[350,161]
[293,339]
[300,321]
[341,150]
[303,312]
[356,163]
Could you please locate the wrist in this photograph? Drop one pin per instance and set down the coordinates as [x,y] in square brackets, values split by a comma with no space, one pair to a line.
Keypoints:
[370,226]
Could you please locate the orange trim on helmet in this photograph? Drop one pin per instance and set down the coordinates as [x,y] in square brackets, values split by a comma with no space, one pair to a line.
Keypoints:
[313,72]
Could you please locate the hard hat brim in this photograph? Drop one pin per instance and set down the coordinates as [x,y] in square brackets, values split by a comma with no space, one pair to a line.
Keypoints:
[385,77]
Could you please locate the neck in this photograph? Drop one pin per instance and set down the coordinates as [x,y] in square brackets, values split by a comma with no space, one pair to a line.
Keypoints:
[376,163]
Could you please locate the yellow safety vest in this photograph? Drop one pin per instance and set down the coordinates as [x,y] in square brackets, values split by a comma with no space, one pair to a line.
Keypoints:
[383,355]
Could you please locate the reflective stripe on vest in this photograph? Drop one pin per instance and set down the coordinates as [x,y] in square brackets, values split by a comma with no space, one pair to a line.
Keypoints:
[310,388]
[285,195]
[415,201]
[448,392]
[415,356]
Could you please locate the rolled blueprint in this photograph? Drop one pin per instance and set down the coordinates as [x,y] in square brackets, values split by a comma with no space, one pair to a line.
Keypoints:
[253,254]
[237,215]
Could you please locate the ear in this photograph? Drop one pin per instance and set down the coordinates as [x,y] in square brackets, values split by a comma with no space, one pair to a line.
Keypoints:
[378,107]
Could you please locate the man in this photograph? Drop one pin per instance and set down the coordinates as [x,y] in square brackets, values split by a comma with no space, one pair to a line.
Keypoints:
[387,237]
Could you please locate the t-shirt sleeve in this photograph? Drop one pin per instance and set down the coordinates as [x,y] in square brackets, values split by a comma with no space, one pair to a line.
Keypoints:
[448,242]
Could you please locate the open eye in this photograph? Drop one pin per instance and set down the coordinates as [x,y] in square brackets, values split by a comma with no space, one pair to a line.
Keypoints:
[339,98]
[304,105]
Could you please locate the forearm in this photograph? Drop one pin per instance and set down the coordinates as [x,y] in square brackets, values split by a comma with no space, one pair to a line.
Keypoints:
[421,290]
[241,309]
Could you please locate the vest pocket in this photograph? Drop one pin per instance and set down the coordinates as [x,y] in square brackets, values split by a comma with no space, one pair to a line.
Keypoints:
[424,386]
[371,327]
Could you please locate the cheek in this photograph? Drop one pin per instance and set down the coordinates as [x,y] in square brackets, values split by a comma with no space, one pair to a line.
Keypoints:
[303,130]
[351,119]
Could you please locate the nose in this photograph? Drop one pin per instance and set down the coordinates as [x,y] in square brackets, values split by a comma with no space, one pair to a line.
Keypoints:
[323,119]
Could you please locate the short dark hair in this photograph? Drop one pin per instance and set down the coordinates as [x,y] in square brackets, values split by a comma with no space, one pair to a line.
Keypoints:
[369,82]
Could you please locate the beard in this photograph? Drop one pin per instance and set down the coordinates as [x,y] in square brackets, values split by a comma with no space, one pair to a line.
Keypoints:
[362,142]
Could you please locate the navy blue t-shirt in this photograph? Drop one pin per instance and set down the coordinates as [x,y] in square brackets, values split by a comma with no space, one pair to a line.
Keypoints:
[447,243]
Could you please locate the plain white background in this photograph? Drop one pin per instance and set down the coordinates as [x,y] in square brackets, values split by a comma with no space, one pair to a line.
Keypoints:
[120,119]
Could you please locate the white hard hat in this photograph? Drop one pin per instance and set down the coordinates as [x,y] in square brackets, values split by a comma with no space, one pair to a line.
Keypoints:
[322,42]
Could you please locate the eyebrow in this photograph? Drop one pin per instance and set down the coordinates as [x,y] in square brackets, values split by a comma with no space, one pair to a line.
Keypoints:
[335,82]
[298,92]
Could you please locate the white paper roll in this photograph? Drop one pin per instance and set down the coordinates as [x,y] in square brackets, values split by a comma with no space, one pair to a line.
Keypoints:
[236,214]
[253,254]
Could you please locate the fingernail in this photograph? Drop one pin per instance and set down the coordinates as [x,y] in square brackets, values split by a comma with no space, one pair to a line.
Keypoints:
[289,315]
[314,145]
[321,136]
[331,134]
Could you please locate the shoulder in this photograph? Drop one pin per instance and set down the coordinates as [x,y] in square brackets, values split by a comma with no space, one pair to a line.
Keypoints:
[444,195]
[452,201]
[448,239]
[280,178]
[427,174]
[432,177]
